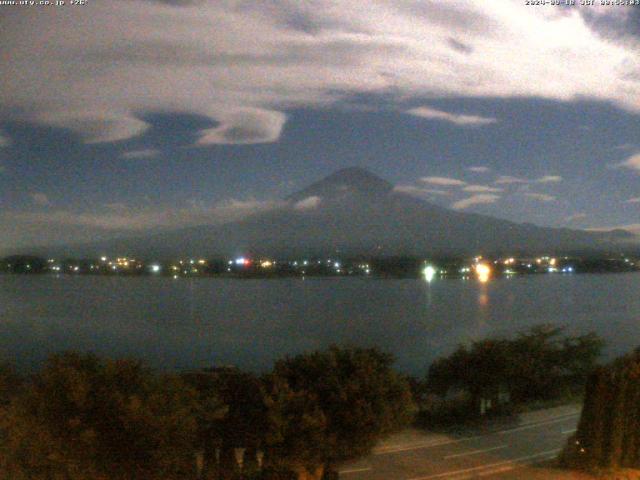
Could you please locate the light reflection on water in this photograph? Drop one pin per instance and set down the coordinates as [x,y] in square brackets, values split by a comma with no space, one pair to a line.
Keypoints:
[195,323]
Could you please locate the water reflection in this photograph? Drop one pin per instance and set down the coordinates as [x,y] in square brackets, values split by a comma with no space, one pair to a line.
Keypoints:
[176,324]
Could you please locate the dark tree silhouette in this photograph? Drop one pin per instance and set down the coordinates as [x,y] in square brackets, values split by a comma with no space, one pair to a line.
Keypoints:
[608,434]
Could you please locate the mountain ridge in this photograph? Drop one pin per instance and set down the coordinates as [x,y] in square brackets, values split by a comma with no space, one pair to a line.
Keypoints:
[353,212]
[355,178]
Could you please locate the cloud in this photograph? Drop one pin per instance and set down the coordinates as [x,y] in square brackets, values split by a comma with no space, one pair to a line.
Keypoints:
[481,189]
[509,180]
[308,203]
[575,216]
[478,169]
[460,46]
[457,119]
[633,200]
[243,65]
[40,199]
[475,200]
[614,24]
[549,179]
[443,181]
[4,140]
[145,153]
[543,197]
[246,126]
[94,126]
[633,162]
[420,191]
[124,218]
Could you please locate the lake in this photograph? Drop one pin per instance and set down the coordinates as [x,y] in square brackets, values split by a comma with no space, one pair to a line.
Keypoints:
[187,323]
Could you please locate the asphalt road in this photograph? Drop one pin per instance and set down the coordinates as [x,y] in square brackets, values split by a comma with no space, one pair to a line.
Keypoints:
[501,450]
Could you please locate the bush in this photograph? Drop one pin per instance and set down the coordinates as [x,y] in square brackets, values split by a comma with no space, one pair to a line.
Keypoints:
[82,417]
[86,418]
[608,434]
[539,364]
[358,392]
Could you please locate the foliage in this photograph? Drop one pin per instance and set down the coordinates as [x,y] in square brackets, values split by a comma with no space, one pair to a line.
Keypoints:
[295,439]
[10,382]
[608,434]
[211,409]
[82,418]
[242,393]
[538,364]
[358,392]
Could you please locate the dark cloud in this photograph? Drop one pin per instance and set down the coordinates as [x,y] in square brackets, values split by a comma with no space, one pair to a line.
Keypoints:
[450,15]
[305,17]
[620,26]
[460,46]
[334,52]
[95,71]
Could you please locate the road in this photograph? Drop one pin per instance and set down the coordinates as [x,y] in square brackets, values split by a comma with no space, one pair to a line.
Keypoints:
[499,450]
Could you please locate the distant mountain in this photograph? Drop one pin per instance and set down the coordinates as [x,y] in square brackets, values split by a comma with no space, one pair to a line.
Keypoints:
[354,212]
[344,182]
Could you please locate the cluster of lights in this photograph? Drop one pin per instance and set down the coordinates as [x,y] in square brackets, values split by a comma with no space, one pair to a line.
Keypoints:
[365,267]
[547,260]
[482,269]
[242,262]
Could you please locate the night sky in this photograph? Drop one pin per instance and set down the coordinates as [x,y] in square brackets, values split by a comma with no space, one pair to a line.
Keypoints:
[120,117]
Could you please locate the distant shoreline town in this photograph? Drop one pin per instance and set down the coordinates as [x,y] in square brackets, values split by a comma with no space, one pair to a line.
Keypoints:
[479,267]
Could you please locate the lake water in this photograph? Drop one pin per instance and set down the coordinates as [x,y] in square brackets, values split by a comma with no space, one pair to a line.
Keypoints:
[186,323]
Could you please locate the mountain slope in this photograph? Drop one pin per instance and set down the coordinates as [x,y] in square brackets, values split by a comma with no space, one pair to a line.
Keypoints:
[354,212]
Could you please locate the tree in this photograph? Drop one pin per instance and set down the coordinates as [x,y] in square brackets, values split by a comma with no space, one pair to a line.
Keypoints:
[358,392]
[479,369]
[608,433]
[82,417]
[538,364]
[9,384]
[295,438]
[211,409]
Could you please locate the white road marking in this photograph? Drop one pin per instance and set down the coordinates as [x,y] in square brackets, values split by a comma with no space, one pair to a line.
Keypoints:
[507,468]
[437,443]
[511,462]
[564,432]
[420,446]
[354,470]
[476,452]
[534,425]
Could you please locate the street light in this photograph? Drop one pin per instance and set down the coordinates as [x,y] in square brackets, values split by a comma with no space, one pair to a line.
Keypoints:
[429,273]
